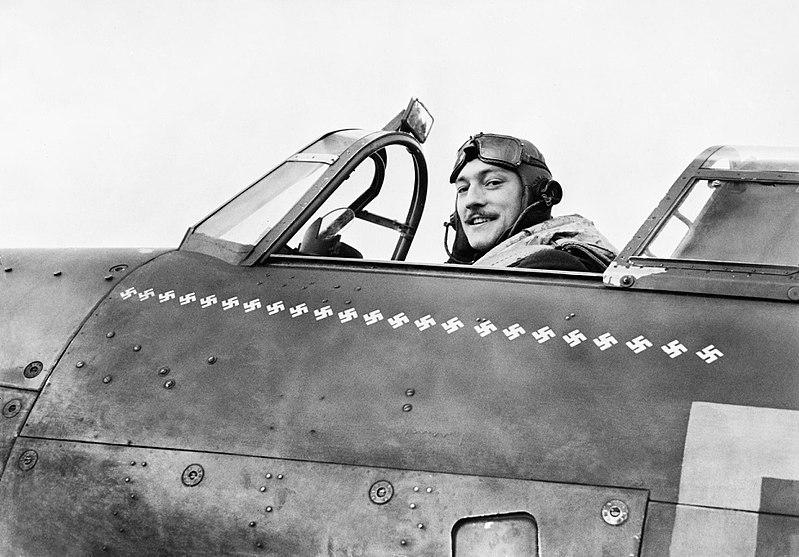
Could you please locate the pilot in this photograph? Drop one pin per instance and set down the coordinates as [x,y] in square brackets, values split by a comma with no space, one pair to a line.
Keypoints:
[503,212]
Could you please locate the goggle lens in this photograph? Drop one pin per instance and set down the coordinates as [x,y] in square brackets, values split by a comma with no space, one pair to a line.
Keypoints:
[501,150]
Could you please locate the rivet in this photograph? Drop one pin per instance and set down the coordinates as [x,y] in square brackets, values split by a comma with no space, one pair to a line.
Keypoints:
[403,542]
[144,464]
[132,495]
[136,347]
[108,277]
[615,512]
[133,463]
[429,490]
[412,505]
[105,548]
[269,509]
[57,274]
[107,379]
[121,529]
[80,364]
[269,476]
[32,369]
[115,513]
[793,293]
[407,407]
[347,302]
[110,334]
[259,545]
[627,280]
[28,460]
[127,480]
[480,319]
[324,301]
[416,488]
[280,476]
[420,526]
[252,524]
[163,371]
[337,286]
[568,317]
[211,360]
[262,488]
[192,475]
[410,392]
[12,407]
[169,383]
[8,269]
[357,288]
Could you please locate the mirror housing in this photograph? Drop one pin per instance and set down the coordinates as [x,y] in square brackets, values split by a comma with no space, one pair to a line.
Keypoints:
[415,120]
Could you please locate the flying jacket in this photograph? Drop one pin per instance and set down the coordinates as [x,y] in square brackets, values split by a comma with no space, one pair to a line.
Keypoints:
[572,234]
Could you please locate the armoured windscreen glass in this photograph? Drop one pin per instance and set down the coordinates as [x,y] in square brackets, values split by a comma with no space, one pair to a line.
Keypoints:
[256,210]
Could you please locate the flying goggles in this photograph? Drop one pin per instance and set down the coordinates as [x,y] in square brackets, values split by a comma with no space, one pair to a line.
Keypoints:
[500,150]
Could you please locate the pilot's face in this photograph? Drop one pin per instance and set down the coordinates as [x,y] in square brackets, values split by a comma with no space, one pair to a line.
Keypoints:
[489,200]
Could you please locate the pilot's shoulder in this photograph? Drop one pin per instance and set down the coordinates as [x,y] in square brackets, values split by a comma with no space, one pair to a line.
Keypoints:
[553,258]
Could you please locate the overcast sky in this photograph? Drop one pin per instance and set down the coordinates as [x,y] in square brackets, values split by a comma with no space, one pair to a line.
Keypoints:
[125,122]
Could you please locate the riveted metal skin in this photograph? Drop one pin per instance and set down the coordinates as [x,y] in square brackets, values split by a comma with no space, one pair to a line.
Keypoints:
[516,409]
[15,407]
[328,503]
[41,313]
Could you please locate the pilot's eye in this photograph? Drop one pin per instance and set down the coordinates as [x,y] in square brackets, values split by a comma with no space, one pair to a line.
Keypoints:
[461,189]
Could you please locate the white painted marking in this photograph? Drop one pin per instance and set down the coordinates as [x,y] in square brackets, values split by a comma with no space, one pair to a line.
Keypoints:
[485,328]
[605,341]
[452,325]
[674,348]
[323,312]
[298,310]
[514,331]
[128,293]
[543,334]
[425,322]
[639,344]
[347,315]
[188,298]
[574,338]
[373,317]
[275,307]
[729,449]
[252,305]
[208,301]
[230,303]
[710,354]
[166,296]
[398,320]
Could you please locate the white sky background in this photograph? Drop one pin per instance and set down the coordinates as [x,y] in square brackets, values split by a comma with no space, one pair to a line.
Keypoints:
[123,123]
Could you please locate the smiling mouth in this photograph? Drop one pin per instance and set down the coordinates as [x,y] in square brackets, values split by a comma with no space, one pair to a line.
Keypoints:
[478,220]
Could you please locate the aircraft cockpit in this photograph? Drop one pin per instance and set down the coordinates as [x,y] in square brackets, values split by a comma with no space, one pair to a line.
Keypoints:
[727,226]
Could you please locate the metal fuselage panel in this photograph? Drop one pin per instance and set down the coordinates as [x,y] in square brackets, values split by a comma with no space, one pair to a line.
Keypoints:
[86,499]
[45,295]
[418,368]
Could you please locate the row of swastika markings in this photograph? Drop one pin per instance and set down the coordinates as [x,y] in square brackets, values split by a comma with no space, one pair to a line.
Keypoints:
[605,341]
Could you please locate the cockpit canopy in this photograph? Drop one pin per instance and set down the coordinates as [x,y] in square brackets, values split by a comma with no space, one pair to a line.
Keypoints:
[742,207]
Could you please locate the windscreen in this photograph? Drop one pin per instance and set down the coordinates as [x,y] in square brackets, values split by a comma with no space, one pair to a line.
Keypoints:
[250,215]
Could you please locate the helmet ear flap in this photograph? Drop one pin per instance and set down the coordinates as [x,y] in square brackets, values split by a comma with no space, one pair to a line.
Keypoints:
[549,191]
